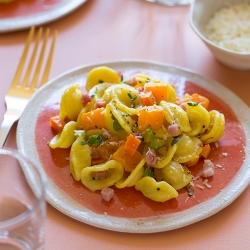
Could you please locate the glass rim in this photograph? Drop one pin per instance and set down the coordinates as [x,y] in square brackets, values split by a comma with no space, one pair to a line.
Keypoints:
[40,198]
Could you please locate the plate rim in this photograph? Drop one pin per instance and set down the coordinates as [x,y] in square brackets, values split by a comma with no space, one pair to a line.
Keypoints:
[150,224]
[58,11]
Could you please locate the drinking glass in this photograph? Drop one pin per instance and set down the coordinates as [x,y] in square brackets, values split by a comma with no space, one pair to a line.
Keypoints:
[171,2]
[22,203]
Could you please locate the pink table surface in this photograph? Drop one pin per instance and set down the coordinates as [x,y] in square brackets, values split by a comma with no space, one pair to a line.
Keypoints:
[103,30]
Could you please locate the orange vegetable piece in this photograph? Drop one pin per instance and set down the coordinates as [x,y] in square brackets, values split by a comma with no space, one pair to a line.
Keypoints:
[201,99]
[205,151]
[131,144]
[93,120]
[109,147]
[147,98]
[152,116]
[193,161]
[159,90]
[129,163]
[57,123]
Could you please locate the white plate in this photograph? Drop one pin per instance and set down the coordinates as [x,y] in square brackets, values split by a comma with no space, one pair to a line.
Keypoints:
[58,199]
[57,11]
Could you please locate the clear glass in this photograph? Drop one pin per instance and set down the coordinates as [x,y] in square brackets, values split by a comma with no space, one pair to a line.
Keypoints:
[22,203]
[171,2]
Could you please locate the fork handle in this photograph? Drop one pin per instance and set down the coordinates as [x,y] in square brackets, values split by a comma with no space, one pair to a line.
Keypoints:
[8,121]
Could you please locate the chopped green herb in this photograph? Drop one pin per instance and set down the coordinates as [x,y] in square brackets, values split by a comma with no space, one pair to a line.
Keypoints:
[121,78]
[132,100]
[175,140]
[116,124]
[92,96]
[148,135]
[148,172]
[190,191]
[83,143]
[192,104]
[100,81]
[157,143]
[95,140]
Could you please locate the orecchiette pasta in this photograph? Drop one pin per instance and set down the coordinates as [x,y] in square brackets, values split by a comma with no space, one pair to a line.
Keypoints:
[65,138]
[156,191]
[134,177]
[134,133]
[103,175]
[71,103]
[80,157]
[198,117]
[174,114]
[217,125]
[177,175]
[188,148]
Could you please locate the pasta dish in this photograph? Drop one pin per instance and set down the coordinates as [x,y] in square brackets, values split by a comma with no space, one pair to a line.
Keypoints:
[135,132]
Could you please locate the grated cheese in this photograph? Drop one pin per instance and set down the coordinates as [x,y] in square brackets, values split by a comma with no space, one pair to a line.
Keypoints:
[199,186]
[218,166]
[229,27]
[187,199]
[205,182]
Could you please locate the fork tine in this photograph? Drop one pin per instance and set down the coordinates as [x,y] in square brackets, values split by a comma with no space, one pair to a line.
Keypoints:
[47,69]
[23,58]
[27,75]
[39,64]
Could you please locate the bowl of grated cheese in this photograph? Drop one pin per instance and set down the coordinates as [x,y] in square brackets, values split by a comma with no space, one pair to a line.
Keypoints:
[224,26]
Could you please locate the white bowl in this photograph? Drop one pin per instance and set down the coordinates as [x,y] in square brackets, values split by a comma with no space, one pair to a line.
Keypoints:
[201,12]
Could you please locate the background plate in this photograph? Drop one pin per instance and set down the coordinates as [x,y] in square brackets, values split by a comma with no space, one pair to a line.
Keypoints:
[57,11]
[58,199]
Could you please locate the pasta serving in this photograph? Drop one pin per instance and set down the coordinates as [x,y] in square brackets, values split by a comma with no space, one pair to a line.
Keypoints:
[135,133]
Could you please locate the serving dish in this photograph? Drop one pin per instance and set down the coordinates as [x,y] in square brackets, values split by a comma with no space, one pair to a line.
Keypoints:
[58,10]
[28,143]
[201,12]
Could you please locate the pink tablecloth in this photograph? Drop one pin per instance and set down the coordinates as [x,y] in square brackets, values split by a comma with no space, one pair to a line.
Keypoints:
[102,30]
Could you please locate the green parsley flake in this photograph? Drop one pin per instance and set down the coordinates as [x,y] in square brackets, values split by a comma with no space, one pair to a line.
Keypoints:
[132,100]
[175,140]
[192,104]
[149,172]
[83,143]
[116,125]
[190,191]
[95,140]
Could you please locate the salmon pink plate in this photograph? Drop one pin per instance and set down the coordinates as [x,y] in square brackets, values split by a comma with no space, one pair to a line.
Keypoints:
[18,15]
[129,210]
